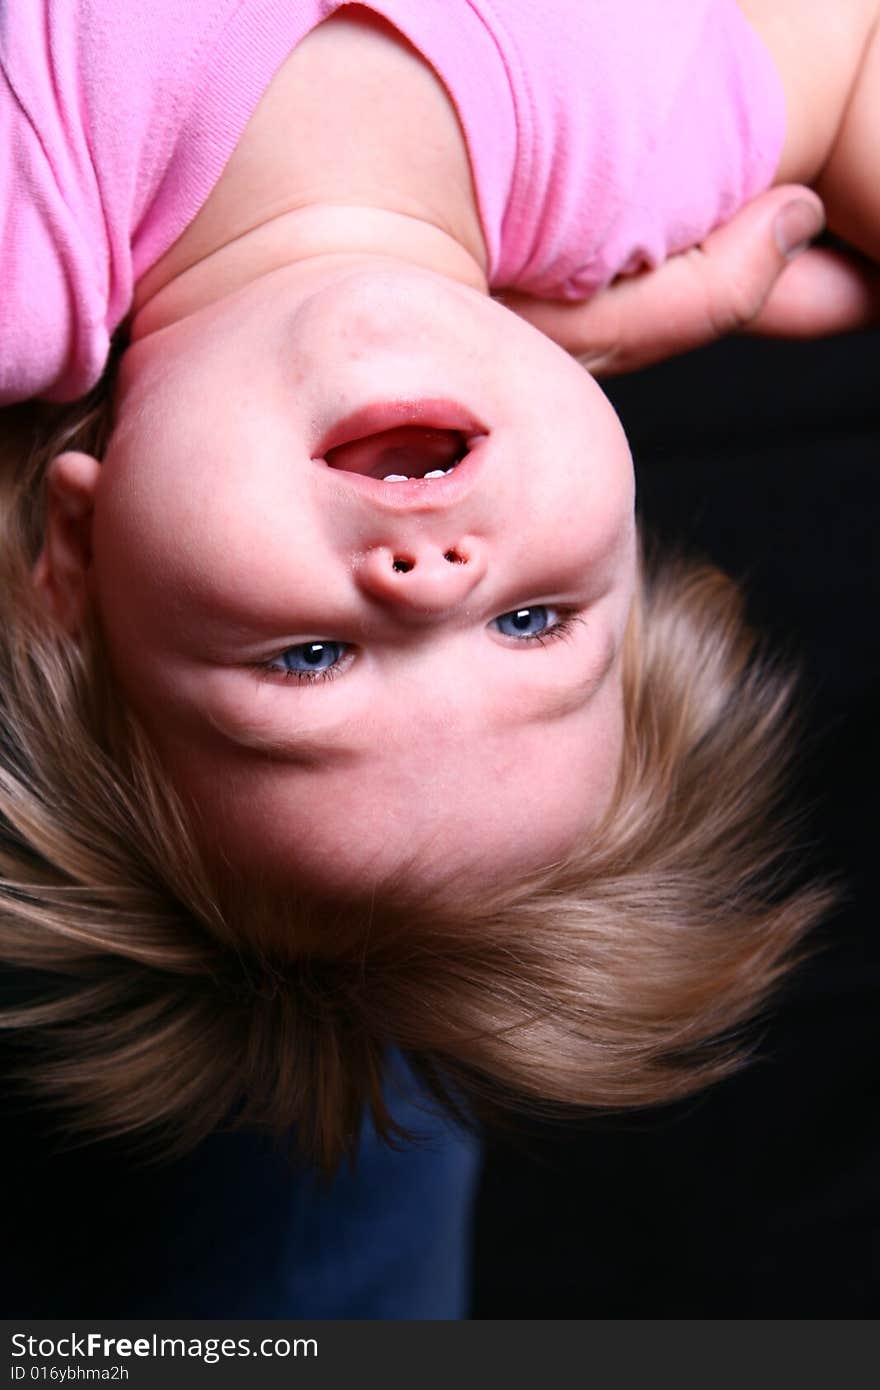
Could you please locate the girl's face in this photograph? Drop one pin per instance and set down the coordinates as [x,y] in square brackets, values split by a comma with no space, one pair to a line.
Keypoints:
[344,674]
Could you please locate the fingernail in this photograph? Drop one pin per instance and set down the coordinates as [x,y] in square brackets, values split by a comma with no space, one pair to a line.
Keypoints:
[796,226]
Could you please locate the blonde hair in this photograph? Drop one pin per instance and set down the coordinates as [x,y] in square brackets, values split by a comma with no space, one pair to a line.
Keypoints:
[624,976]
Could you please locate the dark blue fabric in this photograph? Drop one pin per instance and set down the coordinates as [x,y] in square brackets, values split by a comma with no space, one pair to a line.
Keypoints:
[236,1230]
[392,1239]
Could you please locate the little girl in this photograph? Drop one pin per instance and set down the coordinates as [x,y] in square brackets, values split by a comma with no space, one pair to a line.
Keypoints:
[338,710]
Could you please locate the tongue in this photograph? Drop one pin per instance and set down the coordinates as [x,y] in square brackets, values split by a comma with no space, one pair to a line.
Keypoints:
[410,449]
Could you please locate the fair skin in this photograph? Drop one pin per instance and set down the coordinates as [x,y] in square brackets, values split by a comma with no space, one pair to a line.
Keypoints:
[234,550]
[440,732]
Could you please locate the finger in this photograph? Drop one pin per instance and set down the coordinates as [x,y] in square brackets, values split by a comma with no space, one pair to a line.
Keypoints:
[706,293]
[693,298]
[824,291]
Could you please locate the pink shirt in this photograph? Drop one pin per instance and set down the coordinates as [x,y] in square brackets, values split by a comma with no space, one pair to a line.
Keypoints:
[603,135]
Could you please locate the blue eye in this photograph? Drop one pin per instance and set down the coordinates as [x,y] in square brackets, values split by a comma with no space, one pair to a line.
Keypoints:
[526,622]
[309,660]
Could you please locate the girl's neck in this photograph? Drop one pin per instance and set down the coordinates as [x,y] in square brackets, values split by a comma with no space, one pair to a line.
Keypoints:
[354,149]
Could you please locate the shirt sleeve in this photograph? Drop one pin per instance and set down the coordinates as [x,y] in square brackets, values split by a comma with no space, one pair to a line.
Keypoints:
[641,127]
[53,259]
[89,100]
[116,119]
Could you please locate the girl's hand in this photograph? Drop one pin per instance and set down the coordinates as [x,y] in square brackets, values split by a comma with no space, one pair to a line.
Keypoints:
[753,274]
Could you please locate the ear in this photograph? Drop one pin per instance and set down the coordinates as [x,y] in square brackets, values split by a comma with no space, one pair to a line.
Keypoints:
[61,572]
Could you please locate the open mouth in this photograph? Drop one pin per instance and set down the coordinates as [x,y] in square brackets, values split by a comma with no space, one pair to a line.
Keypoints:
[401,454]
[406,450]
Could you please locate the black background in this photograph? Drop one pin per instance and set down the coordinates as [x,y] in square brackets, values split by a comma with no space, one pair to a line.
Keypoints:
[762,1198]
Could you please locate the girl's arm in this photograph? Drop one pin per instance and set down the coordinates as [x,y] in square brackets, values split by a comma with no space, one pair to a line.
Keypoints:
[828,59]
[849,180]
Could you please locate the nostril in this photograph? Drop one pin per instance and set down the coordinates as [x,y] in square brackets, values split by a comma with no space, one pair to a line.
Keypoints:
[455,557]
[401,565]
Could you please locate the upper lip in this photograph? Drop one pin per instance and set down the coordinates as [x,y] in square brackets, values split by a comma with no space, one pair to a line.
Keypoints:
[380,416]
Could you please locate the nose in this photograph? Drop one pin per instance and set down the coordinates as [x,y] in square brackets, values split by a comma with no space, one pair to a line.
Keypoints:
[424,578]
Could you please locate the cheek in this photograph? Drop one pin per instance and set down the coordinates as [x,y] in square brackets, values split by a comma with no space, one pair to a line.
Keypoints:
[139,565]
[146,565]
[164,550]
[583,503]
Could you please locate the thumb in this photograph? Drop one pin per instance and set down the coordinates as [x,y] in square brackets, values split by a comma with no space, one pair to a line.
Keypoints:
[705,293]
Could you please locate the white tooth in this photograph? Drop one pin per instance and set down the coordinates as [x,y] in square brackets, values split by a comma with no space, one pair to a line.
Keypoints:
[395,478]
[436,473]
